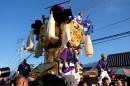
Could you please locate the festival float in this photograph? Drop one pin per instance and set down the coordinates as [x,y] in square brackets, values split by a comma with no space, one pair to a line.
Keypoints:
[52,37]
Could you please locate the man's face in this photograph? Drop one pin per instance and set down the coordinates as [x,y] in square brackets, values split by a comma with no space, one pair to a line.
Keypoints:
[103,56]
[85,84]
[106,83]
[119,83]
[71,44]
[43,17]
[81,14]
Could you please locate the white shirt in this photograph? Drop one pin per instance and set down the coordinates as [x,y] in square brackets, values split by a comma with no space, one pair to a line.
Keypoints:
[79,19]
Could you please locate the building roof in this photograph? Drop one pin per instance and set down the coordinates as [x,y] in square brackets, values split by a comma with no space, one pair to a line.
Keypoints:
[119,59]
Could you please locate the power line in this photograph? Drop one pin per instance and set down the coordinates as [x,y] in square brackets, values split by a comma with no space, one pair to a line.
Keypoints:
[84,5]
[11,58]
[111,39]
[108,37]
[84,8]
[95,4]
[18,61]
[58,4]
[14,59]
[29,56]
[112,36]
[15,66]
[112,24]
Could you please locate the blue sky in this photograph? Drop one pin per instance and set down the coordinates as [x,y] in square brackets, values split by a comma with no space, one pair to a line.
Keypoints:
[16,16]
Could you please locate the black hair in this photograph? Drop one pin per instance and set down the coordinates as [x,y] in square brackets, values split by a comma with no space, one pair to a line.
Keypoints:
[79,13]
[33,25]
[24,60]
[104,79]
[68,43]
[48,80]
[43,15]
[82,82]
[102,54]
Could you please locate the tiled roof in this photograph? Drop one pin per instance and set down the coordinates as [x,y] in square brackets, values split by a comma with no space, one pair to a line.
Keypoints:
[119,59]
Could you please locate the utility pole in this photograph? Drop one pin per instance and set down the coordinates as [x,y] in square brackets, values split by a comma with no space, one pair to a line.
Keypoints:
[21,49]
